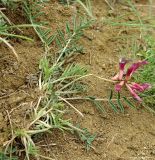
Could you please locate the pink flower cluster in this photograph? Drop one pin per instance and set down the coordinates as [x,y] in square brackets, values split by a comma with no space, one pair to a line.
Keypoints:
[124,78]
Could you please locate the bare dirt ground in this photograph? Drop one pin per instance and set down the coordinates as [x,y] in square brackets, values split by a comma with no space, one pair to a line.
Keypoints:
[119,136]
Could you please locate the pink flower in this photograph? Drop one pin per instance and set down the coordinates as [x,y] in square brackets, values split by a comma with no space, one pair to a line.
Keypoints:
[124,77]
[133,68]
[122,64]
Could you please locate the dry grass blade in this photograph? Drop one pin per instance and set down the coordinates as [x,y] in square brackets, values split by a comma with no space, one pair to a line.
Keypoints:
[11,130]
[108,3]
[63,99]
[10,46]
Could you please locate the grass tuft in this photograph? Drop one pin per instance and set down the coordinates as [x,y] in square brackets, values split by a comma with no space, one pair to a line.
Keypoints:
[58,80]
[147,74]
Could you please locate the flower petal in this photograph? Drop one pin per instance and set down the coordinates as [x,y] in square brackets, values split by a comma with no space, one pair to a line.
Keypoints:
[133,93]
[146,86]
[137,87]
[122,64]
[133,68]
[121,73]
[140,87]
[116,77]
[119,86]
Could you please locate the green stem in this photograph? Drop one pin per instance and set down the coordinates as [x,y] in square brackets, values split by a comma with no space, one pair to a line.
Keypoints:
[14,35]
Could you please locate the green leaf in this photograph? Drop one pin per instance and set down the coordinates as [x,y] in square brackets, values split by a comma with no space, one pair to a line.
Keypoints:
[86,137]
[111,94]
[119,103]
[68,31]
[58,42]
[62,36]
[129,103]
[97,104]
[114,107]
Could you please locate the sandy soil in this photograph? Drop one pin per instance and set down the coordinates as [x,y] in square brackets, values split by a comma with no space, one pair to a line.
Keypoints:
[124,136]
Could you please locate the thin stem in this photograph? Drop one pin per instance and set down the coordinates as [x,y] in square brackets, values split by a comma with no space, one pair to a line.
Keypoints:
[5,17]
[108,80]
[87,8]
[71,106]
[38,118]
[109,4]
[64,49]
[63,78]
[86,98]
[17,36]
[100,99]
[67,92]
[38,103]
[26,147]
[35,28]
[75,128]
[8,143]
[143,5]
[26,25]
[48,158]
[10,46]
[37,131]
